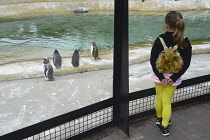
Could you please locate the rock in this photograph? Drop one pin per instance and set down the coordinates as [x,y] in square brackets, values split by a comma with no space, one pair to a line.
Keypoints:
[81,9]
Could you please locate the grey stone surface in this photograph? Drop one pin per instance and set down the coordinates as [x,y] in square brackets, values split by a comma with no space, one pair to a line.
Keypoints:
[191,122]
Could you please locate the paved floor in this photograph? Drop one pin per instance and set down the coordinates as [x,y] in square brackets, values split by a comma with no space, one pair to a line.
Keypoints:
[191,122]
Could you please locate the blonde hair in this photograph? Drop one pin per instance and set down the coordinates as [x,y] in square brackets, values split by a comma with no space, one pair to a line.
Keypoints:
[175,21]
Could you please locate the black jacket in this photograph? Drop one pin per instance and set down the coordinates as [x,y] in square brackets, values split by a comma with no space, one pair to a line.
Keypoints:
[186,54]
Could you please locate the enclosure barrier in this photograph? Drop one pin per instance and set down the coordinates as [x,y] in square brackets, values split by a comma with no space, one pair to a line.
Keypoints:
[141,103]
[119,110]
[88,120]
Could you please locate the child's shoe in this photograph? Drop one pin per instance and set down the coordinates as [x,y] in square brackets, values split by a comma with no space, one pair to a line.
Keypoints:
[163,129]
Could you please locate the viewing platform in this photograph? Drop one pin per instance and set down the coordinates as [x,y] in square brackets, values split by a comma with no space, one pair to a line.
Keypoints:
[189,122]
[100,105]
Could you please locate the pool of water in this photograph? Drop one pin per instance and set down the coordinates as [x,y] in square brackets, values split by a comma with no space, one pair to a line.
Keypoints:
[26,39]
[36,37]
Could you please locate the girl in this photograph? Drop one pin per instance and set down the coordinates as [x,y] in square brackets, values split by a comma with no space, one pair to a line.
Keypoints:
[166,83]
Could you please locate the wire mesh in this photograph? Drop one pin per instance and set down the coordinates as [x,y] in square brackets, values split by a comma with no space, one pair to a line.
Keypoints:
[141,105]
[77,126]
[137,105]
[191,91]
[147,103]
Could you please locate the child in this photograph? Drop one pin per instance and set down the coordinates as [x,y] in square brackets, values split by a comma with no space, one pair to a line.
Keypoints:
[166,83]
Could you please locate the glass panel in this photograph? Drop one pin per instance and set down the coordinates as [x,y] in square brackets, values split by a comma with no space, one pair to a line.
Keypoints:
[27,97]
[145,27]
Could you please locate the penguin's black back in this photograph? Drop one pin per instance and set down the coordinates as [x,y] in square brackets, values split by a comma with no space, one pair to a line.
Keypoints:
[94,51]
[75,58]
[50,72]
[57,60]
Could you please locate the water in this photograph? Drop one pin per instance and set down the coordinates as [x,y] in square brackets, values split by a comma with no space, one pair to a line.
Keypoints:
[28,40]
[64,32]
[25,39]
[70,32]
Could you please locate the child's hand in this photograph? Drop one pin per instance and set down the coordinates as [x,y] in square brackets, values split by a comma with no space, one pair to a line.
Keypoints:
[170,81]
[165,82]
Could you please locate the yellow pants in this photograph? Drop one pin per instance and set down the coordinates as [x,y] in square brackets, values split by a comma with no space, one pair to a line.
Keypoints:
[163,102]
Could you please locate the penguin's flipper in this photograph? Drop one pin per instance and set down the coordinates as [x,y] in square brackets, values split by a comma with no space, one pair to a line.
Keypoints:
[53,60]
[45,71]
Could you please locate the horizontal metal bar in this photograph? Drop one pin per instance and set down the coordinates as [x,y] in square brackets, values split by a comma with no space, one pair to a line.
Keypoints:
[191,100]
[185,83]
[141,94]
[59,120]
[194,81]
[48,124]
[174,105]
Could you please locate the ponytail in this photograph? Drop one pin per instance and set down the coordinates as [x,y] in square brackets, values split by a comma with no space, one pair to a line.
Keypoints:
[175,21]
[179,33]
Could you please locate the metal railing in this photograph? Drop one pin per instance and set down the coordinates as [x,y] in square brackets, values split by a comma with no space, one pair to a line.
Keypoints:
[119,110]
[82,122]
[141,103]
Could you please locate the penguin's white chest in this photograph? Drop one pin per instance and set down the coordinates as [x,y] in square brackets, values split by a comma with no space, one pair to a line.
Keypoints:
[91,50]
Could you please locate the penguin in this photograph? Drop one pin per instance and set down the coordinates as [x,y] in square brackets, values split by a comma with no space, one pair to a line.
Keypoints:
[57,60]
[48,69]
[94,51]
[75,58]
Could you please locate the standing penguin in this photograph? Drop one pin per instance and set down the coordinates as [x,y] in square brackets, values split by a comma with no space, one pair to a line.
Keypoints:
[75,58]
[48,69]
[57,60]
[94,51]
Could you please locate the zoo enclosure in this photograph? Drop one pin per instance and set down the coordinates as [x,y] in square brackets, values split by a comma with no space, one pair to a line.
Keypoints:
[88,120]
[119,110]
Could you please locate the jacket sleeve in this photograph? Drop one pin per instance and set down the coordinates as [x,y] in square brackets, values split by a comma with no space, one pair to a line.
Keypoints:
[186,56]
[156,49]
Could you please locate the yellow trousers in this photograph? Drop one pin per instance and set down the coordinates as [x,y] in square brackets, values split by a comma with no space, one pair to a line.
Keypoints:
[163,99]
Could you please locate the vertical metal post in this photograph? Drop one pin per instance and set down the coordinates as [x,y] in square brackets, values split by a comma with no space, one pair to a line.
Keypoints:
[120,78]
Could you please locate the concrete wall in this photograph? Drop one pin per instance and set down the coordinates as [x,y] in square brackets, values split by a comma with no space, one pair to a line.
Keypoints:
[21,1]
[28,7]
